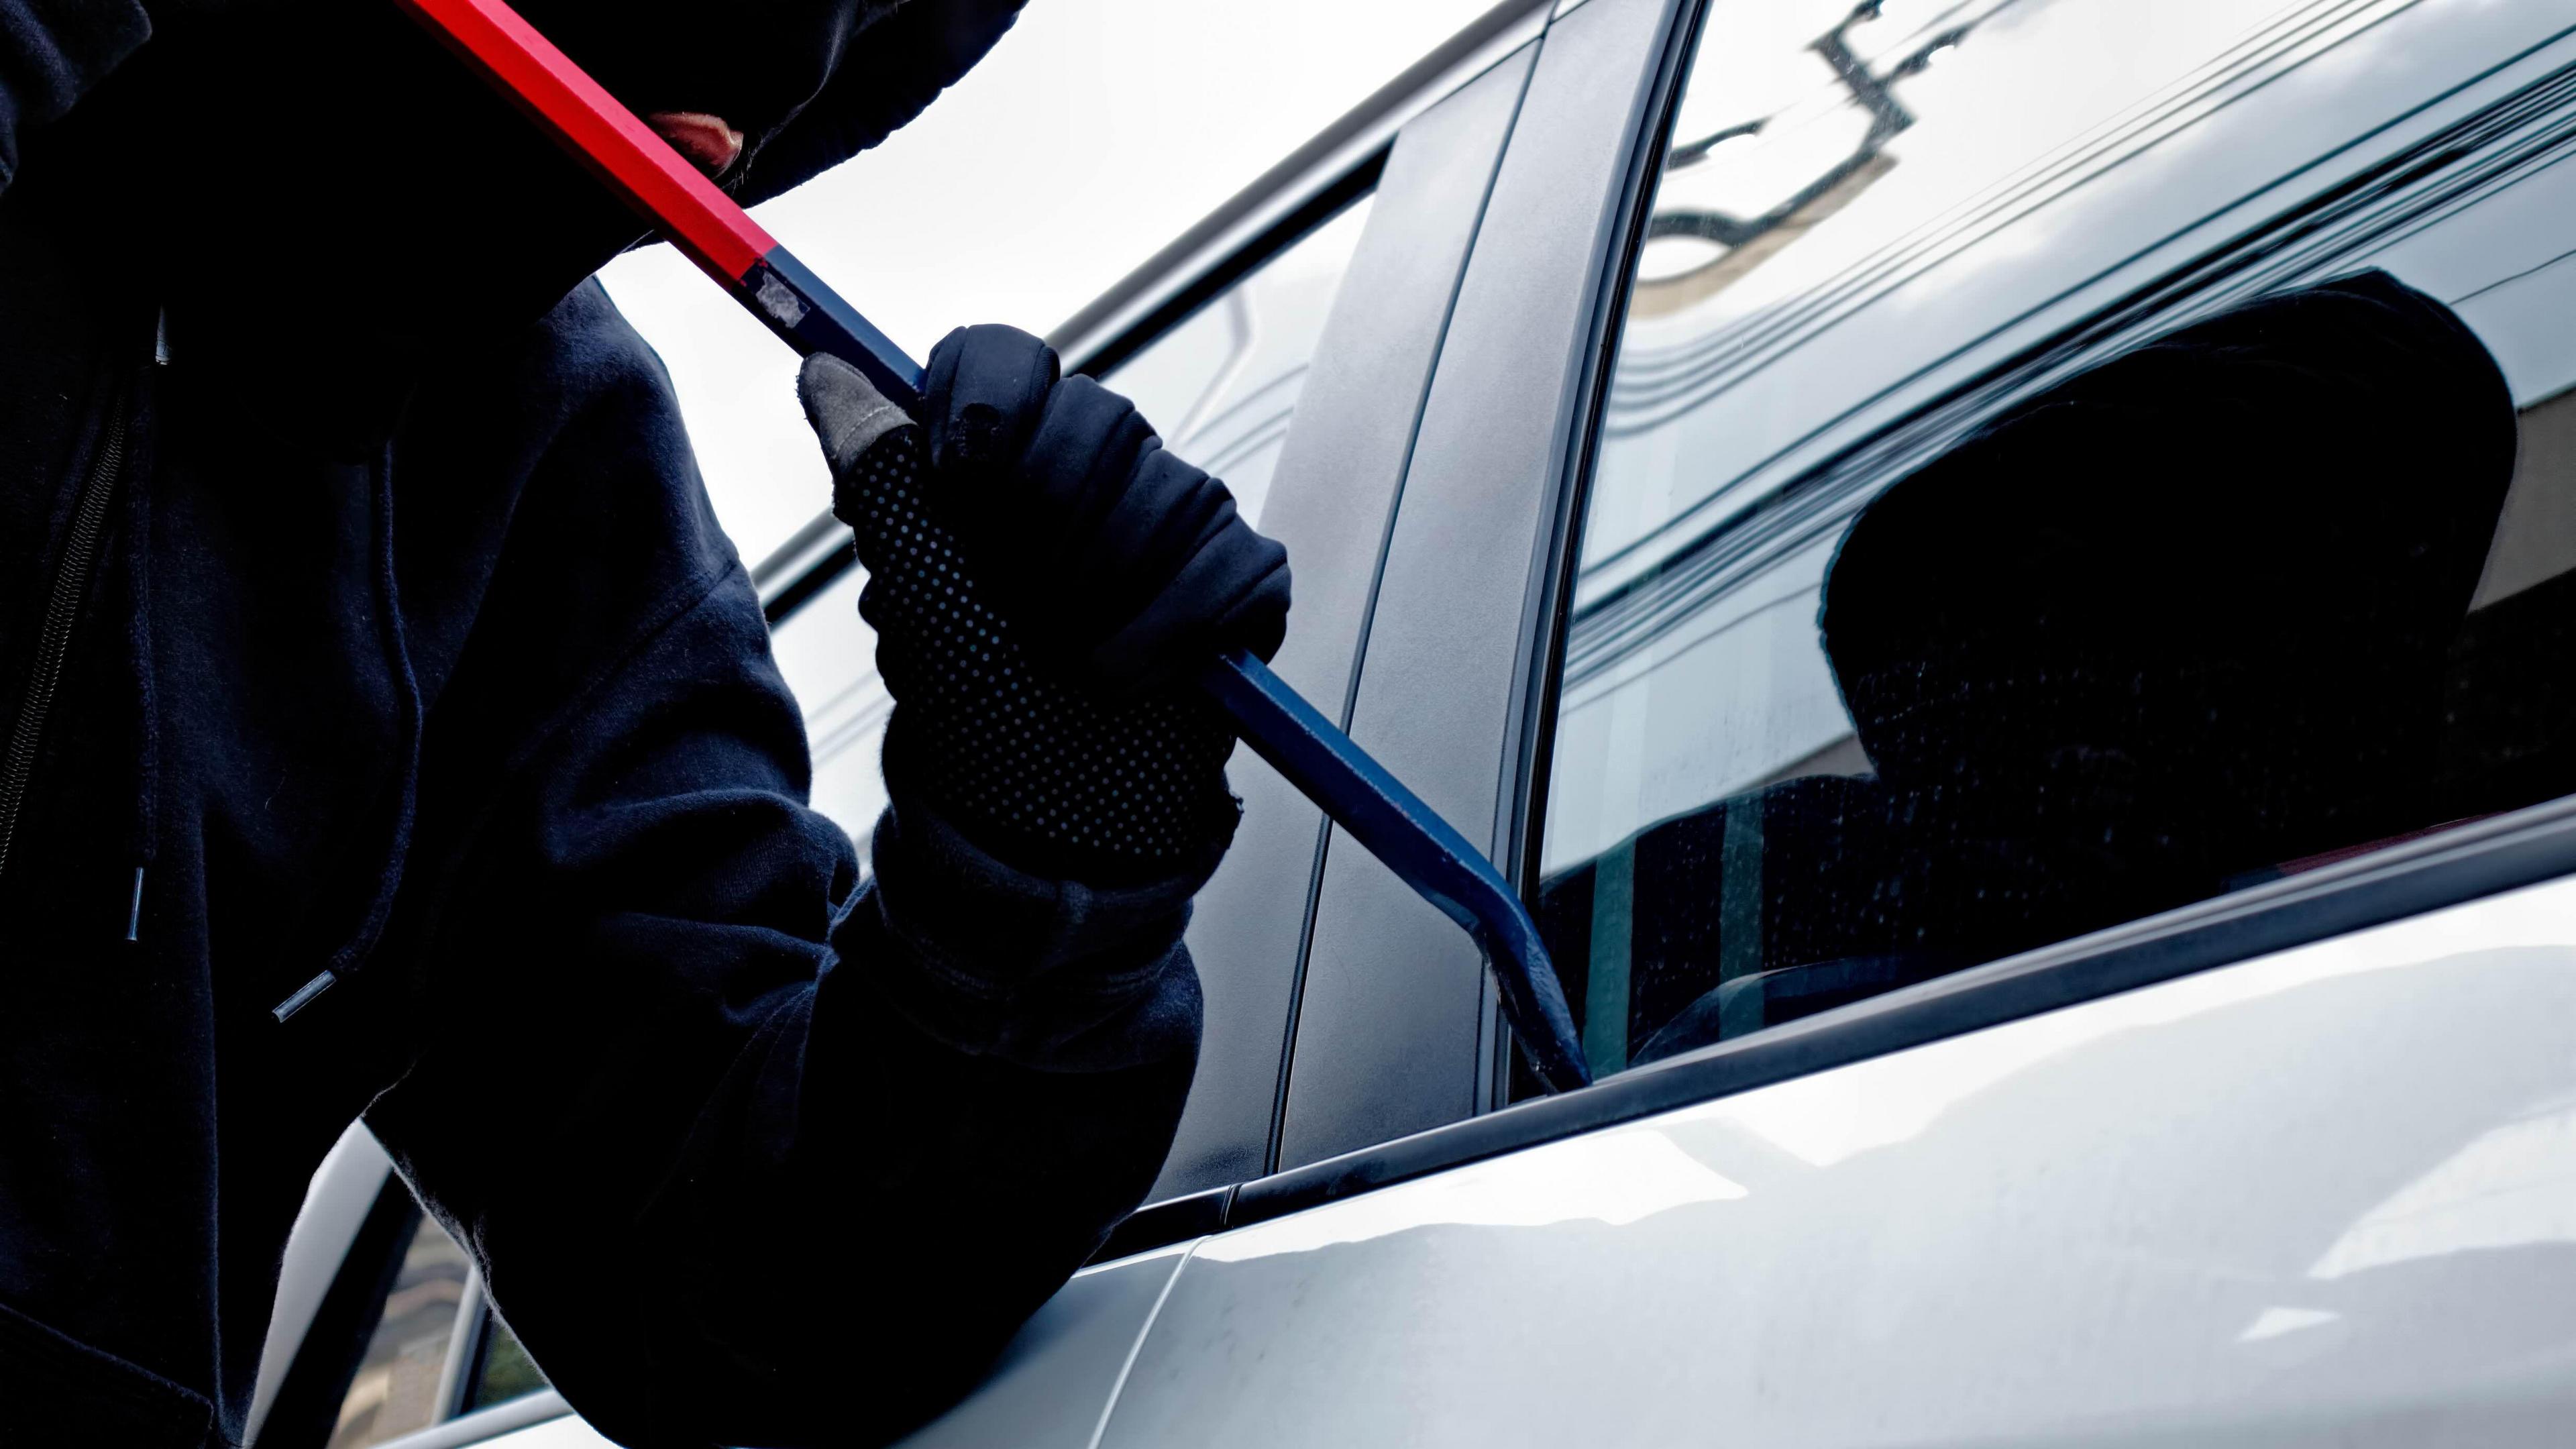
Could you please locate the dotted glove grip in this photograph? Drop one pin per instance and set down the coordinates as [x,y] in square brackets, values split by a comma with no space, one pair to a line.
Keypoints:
[1042,774]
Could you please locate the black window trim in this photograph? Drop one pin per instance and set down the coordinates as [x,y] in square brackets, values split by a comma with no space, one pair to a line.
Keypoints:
[1521,803]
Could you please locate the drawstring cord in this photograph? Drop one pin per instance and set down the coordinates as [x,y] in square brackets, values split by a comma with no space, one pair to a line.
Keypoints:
[147,782]
[398,846]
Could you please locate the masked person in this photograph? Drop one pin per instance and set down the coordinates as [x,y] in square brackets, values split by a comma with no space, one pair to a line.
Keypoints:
[390,730]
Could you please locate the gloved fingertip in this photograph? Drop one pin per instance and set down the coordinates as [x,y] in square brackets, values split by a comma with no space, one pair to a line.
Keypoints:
[1265,635]
[1260,621]
[943,357]
[846,410]
[823,375]
[987,386]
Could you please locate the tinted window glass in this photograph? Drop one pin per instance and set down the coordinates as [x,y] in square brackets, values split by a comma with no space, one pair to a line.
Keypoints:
[1221,387]
[2064,459]
[397,1387]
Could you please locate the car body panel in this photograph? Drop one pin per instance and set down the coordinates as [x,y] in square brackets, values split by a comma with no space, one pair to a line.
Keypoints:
[2324,1197]
[1052,1387]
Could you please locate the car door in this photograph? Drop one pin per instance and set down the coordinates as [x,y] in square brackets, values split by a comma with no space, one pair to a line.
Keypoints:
[2280,1157]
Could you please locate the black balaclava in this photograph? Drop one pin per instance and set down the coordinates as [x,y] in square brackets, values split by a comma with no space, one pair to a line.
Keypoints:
[2197,597]
[327,200]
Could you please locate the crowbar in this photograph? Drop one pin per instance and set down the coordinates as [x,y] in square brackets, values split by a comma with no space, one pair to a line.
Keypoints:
[1368,803]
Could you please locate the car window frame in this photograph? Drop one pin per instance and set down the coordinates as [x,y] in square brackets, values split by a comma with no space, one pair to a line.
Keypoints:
[2459,864]
[1865,421]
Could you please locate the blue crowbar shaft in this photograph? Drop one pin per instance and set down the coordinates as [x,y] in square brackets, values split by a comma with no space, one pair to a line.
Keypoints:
[1369,804]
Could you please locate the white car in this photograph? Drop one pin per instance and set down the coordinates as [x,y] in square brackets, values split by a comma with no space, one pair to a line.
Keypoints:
[1562,368]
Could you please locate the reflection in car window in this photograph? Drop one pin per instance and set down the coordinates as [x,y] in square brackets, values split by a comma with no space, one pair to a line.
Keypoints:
[396,1390]
[1221,387]
[2064,458]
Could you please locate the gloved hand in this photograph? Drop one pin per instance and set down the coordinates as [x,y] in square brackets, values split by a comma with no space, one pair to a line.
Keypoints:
[1043,579]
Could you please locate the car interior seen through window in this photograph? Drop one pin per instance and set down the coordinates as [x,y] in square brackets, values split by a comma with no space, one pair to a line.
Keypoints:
[2063,459]
[1220,387]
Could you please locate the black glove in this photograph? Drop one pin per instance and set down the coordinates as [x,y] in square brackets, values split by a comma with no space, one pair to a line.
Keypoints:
[1124,563]
[1043,578]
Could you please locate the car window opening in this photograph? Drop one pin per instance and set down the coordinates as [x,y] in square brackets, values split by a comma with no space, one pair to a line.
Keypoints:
[2260,583]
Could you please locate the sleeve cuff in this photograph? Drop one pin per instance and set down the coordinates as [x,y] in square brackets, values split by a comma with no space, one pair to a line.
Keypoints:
[1054,975]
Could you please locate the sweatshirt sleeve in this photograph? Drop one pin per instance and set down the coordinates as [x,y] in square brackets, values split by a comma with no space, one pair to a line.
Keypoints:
[51,53]
[750,1152]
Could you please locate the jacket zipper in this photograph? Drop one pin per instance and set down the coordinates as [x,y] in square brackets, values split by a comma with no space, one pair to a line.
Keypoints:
[53,644]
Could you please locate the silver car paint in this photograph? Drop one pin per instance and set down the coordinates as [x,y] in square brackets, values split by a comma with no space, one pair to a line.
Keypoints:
[2327,1197]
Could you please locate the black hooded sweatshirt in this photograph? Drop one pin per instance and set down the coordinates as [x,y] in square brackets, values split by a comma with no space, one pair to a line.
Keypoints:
[384,631]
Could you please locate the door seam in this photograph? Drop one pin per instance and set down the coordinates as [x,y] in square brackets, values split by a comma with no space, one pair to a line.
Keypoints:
[1368,610]
[1118,1385]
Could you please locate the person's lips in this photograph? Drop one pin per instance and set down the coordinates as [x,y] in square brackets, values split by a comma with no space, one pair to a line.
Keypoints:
[706,140]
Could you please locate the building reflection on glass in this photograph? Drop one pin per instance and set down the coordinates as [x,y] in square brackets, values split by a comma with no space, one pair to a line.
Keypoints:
[1721,211]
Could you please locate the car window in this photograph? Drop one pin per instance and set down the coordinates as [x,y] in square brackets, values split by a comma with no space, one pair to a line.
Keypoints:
[400,1380]
[1220,386]
[503,1371]
[2062,459]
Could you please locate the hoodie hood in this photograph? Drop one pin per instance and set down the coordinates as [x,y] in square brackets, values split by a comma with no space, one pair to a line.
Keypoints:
[890,75]
[328,203]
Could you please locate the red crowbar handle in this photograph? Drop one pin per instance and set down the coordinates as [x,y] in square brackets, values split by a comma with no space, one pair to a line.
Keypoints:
[1368,803]
[663,188]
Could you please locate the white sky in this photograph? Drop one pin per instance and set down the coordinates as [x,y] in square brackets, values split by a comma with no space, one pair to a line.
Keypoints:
[1096,132]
